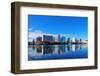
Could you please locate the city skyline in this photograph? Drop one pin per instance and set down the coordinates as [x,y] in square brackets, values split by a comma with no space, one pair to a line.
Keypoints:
[70,26]
[56,39]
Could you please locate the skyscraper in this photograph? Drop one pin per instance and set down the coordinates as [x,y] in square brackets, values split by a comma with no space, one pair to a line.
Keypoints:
[68,40]
[62,38]
[48,38]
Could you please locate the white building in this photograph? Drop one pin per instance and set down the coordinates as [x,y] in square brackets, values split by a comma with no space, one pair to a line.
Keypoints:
[73,40]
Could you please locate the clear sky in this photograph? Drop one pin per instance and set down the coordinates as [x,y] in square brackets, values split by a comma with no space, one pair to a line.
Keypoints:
[71,25]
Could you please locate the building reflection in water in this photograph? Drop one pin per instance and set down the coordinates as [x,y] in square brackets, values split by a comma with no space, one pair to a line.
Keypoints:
[39,50]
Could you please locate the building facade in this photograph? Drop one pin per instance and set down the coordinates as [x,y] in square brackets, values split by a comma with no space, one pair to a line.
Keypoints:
[48,38]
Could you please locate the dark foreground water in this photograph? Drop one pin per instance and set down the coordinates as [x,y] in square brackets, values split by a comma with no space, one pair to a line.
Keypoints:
[50,52]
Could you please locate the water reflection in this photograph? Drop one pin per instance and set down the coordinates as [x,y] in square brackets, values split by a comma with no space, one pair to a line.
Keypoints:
[39,50]
[45,52]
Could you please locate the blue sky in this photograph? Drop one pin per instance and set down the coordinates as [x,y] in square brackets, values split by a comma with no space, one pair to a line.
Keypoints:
[74,26]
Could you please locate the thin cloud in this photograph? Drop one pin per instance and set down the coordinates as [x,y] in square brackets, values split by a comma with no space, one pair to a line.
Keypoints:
[30,29]
[35,34]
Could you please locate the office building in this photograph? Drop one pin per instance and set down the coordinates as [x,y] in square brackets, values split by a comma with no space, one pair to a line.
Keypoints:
[68,40]
[62,38]
[39,38]
[48,38]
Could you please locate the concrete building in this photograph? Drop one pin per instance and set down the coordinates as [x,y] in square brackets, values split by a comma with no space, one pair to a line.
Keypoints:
[39,38]
[56,38]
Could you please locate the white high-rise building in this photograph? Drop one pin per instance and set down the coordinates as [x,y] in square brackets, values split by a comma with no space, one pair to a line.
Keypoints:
[73,40]
[56,38]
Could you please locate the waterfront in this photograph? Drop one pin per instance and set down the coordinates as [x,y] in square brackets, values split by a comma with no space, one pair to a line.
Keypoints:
[50,52]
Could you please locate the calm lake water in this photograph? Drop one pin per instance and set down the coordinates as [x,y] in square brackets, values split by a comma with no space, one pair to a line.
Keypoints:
[50,52]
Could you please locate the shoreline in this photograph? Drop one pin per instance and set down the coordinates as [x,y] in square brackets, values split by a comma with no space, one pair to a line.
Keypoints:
[56,43]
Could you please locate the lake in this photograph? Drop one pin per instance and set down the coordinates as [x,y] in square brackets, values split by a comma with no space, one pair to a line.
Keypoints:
[52,52]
